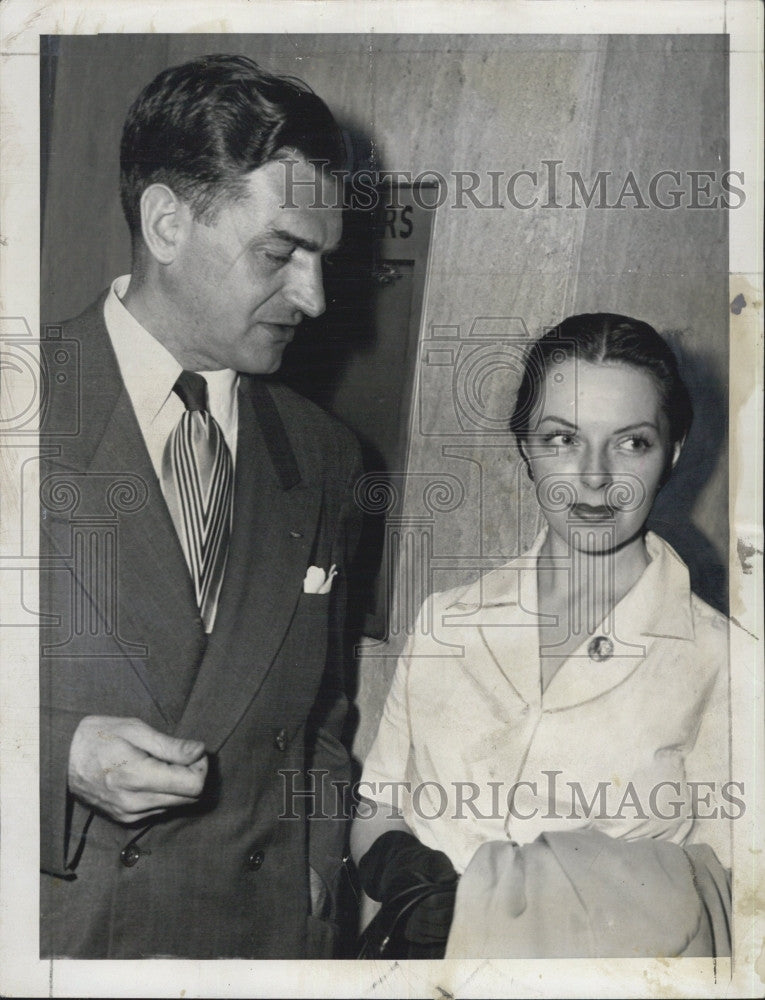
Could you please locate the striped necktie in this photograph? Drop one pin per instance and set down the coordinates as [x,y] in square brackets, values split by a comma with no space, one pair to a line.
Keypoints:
[197,480]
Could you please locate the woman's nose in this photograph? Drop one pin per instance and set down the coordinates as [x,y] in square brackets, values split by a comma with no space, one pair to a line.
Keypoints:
[595,471]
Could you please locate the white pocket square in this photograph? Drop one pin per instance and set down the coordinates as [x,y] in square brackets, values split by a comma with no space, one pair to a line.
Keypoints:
[317,581]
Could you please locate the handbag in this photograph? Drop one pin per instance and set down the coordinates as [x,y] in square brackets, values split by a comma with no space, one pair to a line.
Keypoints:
[383,936]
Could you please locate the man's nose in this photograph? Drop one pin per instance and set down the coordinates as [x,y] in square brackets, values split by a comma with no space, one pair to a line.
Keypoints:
[305,289]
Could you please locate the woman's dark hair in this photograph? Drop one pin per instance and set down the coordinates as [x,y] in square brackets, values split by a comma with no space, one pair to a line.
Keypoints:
[202,126]
[604,338]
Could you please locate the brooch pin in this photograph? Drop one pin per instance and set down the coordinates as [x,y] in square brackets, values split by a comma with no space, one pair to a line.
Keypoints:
[600,648]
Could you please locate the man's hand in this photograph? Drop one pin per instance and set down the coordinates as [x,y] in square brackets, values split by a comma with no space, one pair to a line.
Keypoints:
[130,771]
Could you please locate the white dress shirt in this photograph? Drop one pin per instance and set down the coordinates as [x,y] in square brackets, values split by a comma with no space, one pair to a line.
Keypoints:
[150,371]
[466,718]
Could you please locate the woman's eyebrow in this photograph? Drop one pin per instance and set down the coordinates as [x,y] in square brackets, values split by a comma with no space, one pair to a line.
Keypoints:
[558,420]
[637,426]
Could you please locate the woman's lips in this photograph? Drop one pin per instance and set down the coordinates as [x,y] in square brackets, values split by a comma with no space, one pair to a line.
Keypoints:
[586,512]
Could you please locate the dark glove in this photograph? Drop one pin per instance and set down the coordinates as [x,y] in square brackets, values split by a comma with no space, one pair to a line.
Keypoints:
[415,881]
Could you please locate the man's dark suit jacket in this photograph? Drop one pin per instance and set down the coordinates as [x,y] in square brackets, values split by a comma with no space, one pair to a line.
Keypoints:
[265,691]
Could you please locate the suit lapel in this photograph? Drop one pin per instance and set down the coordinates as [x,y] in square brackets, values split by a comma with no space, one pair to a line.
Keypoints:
[155,604]
[155,599]
[275,524]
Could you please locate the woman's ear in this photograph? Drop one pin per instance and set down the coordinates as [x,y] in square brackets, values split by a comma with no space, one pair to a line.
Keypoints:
[162,222]
[677,447]
[671,462]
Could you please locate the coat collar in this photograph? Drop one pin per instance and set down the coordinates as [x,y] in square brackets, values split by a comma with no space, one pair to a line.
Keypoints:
[498,616]
[645,609]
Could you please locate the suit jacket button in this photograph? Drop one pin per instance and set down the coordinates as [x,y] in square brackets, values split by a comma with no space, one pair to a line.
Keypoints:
[280,740]
[255,860]
[129,855]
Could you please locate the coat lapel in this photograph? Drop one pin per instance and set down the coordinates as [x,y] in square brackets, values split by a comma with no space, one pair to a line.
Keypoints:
[581,678]
[155,607]
[155,598]
[276,518]
[500,631]
[657,606]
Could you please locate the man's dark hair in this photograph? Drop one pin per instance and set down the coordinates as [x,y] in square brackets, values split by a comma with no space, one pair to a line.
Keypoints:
[201,127]
[604,338]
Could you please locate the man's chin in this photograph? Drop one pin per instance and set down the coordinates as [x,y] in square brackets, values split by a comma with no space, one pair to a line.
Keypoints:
[264,364]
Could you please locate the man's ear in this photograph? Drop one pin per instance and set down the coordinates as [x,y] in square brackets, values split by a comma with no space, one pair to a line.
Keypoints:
[163,218]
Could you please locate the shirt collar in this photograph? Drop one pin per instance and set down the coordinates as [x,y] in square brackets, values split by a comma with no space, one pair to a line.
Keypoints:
[148,369]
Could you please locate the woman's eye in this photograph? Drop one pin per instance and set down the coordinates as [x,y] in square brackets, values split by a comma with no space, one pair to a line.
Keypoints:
[559,438]
[636,443]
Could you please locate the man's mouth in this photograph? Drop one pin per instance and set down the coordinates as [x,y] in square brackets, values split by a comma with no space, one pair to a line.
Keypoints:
[588,512]
[280,333]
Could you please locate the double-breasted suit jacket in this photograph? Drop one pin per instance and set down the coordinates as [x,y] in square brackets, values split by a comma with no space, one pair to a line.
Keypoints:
[229,876]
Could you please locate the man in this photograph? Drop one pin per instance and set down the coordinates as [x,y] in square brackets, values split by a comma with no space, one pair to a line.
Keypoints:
[196,535]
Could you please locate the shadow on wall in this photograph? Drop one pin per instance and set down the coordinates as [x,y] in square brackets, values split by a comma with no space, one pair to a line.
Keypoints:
[314,366]
[706,446]
[324,347]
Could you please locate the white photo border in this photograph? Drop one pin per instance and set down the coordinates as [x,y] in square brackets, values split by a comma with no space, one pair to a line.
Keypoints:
[22,973]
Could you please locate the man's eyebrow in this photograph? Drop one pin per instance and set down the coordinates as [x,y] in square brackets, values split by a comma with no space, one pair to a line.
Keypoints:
[299,241]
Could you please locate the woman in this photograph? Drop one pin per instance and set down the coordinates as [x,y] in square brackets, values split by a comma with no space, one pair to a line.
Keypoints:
[561,740]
